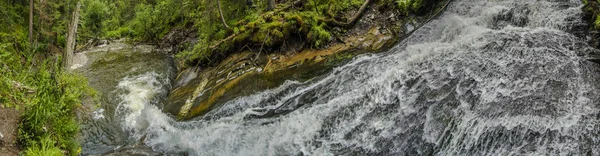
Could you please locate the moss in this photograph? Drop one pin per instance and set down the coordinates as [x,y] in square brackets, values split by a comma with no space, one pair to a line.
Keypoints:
[254,29]
[407,6]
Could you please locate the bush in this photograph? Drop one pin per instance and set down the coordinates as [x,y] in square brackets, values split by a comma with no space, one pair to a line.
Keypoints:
[144,23]
[50,113]
[93,16]
[120,32]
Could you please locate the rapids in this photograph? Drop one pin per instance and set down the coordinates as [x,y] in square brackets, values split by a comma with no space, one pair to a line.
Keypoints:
[485,78]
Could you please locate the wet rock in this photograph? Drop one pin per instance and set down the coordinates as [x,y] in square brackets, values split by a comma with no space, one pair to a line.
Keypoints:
[179,39]
[235,76]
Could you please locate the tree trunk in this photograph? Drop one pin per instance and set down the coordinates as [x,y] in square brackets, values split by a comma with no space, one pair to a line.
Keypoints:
[30,22]
[68,57]
[271,5]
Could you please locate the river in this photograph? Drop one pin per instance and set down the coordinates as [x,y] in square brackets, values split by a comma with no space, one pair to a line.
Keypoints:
[484,78]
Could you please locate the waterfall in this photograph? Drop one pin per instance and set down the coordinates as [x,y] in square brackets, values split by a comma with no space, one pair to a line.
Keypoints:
[485,78]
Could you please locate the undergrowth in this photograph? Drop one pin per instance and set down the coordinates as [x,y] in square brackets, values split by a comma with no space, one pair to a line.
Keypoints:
[255,28]
[48,99]
[31,80]
[242,26]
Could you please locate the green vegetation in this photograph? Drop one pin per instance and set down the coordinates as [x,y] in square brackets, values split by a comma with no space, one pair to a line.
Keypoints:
[49,115]
[310,21]
[145,21]
[407,6]
[31,79]
[591,12]
[241,26]
[597,23]
[92,17]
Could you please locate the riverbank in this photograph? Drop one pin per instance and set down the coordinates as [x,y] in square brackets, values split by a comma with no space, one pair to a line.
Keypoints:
[248,71]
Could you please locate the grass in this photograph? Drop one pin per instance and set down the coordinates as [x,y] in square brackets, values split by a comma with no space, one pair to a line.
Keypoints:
[48,98]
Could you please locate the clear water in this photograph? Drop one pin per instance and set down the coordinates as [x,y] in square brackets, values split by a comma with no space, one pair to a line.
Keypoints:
[485,78]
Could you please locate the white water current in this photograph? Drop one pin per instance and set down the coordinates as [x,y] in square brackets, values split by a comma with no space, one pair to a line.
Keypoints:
[488,77]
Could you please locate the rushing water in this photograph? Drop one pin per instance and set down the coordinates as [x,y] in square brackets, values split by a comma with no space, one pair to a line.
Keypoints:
[485,78]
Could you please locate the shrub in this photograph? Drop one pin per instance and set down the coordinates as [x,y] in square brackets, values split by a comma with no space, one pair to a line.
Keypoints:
[93,16]
[144,23]
[50,113]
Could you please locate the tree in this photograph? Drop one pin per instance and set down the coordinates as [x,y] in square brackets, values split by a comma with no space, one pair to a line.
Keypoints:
[68,57]
[94,15]
[30,21]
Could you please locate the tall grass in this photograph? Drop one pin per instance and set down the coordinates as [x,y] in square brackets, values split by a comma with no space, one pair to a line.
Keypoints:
[48,98]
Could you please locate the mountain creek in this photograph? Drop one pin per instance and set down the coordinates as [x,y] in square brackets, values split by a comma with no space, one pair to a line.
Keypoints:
[513,77]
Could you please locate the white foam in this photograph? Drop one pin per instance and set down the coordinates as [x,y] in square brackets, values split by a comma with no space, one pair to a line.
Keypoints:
[458,84]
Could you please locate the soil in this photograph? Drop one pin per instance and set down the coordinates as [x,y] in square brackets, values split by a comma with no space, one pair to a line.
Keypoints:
[9,123]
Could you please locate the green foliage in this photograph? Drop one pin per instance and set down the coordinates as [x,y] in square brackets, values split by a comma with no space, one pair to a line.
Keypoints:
[120,32]
[144,22]
[258,29]
[597,23]
[44,148]
[407,6]
[93,16]
[48,99]
[50,112]
[31,78]
[51,19]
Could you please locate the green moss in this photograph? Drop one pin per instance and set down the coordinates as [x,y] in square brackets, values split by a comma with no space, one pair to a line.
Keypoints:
[407,6]
[248,27]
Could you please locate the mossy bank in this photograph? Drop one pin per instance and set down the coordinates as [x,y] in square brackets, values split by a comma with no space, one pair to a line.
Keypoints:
[254,66]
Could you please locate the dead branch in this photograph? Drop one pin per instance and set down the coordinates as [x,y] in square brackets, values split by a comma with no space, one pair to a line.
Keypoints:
[221,14]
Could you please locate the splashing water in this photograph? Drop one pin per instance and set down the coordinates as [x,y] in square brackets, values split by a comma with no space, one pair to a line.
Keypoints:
[486,78]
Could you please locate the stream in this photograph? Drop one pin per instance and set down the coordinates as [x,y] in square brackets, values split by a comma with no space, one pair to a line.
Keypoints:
[484,78]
